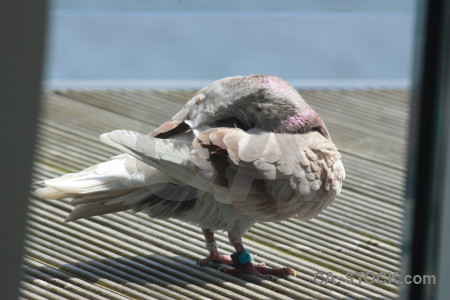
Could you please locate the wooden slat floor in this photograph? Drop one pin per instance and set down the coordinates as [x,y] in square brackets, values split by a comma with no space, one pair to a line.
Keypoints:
[129,256]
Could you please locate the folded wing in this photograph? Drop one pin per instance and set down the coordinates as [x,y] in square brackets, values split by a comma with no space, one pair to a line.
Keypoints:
[266,175]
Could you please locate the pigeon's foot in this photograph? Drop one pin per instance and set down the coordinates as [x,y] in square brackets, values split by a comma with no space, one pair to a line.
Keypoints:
[242,261]
[259,270]
[264,272]
[214,256]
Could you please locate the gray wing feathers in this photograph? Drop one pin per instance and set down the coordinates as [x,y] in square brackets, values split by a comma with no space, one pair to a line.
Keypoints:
[172,157]
[154,151]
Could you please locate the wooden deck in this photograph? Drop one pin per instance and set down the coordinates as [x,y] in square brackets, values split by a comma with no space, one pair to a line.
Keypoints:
[129,256]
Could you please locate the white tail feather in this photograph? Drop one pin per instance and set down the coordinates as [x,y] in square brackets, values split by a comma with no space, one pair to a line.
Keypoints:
[110,186]
[120,173]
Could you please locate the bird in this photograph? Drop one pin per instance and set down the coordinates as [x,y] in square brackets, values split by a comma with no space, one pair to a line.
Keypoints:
[244,149]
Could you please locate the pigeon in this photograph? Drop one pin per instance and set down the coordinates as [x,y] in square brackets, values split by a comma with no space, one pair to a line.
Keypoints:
[244,149]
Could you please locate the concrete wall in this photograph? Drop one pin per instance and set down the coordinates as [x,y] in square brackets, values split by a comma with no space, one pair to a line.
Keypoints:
[189,43]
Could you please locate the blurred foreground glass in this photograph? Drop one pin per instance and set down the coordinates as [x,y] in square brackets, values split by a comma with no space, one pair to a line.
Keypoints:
[22,31]
[427,235]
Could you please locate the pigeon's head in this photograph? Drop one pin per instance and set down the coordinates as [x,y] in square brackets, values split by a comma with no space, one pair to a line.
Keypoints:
[257,101]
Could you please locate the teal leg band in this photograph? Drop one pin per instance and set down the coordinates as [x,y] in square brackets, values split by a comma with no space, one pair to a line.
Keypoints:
[242,258]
